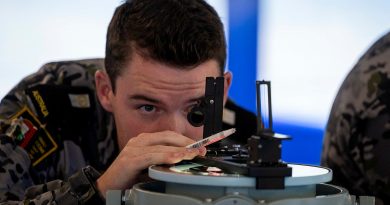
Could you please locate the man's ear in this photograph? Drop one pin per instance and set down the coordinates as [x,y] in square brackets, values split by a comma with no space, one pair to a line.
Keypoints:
[228,81]
[104,89]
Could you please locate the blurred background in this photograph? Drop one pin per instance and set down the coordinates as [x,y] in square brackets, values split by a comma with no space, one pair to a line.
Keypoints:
[305,48]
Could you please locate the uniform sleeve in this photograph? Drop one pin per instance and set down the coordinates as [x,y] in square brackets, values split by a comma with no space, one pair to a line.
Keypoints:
[357,137]
[339,152]
[17,177]
[17,187]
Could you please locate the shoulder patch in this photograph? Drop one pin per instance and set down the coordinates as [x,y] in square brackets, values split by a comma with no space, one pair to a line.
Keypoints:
[29,133]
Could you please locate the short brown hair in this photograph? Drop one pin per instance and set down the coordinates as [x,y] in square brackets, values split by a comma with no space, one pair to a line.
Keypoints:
[182,33]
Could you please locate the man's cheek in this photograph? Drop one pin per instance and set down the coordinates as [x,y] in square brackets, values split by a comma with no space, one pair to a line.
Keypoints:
[196,133]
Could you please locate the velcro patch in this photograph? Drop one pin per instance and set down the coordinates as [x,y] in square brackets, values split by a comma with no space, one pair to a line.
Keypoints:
[80,100]
[29,133]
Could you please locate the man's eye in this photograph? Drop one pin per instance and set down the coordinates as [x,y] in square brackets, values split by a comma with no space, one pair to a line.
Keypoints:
[191,106]
[148,108]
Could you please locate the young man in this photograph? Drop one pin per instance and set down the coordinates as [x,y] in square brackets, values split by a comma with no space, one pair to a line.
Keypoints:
[129,116]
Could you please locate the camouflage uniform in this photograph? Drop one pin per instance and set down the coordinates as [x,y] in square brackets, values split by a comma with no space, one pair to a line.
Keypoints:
[357,139]
[52,127]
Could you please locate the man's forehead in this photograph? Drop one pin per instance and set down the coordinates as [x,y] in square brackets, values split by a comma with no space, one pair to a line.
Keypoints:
[174,81]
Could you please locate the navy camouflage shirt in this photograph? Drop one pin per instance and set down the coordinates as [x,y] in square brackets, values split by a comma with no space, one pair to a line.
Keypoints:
[52,126]
[357,138]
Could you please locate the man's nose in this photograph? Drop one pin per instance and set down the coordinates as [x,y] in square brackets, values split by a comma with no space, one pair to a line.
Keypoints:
[175,122]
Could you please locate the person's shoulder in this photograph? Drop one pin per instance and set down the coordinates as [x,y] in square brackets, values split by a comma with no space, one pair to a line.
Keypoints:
[71,70]
[91,63]
[379,48]
[371,70]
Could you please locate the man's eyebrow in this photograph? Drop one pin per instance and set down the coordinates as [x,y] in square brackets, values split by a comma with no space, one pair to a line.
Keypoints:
[197,99]
[143,97]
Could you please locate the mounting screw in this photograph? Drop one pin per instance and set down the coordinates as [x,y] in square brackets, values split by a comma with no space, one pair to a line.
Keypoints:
[211,101]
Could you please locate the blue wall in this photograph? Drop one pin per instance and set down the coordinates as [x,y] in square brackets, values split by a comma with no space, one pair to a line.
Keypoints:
[242,51]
